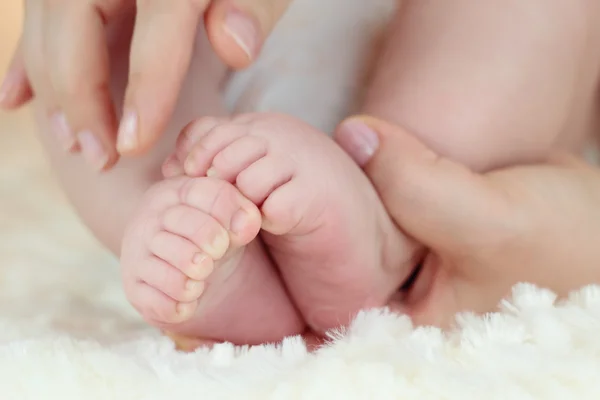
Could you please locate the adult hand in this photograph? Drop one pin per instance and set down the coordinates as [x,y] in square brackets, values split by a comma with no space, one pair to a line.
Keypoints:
[63,59]
[484,232]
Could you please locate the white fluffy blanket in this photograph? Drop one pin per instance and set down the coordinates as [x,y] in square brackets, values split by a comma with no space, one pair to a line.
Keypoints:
[66,331]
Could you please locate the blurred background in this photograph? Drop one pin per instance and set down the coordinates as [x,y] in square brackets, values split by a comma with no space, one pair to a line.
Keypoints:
[11,13]
[16,128]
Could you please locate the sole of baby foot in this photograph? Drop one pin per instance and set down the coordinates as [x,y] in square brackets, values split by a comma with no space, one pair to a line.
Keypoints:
[192,265]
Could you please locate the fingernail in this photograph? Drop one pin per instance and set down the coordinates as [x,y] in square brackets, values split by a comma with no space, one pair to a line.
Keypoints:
[244,31]
[358,140]
[239,221]
[127,139]
[92,150]
[62,131]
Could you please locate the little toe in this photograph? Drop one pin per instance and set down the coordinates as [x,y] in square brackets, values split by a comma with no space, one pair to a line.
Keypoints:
[236,157]
[227,206]
[158,308]
[170,281]
[181,254]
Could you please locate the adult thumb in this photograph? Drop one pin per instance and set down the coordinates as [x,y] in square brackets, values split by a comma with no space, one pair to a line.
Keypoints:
[237,29]
[440,203]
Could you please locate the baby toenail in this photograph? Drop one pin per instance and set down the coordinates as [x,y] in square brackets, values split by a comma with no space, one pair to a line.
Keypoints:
[190,165]
[201,267]
[239,221]
[211,172]
[194,287]
[217,247]
[199,259]
[185,310]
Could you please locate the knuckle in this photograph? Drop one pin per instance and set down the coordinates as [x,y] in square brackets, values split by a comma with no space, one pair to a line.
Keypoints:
[190,190]
[174,282]
[71,85]
[223,194]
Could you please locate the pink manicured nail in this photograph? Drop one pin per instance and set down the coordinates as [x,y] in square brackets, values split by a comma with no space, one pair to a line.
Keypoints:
[244,31]
[127,139]
[358,140]
[92,150]
[62,131]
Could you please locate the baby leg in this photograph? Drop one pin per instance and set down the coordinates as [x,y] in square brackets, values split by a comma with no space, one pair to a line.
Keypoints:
[491,83]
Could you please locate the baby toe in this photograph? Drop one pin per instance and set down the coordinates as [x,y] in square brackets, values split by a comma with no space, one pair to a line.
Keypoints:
[201,155]
[238,156]
[193,133]
[181,254]
[159,309]
[170,281]
[226,206]
[262,178]
[199,228]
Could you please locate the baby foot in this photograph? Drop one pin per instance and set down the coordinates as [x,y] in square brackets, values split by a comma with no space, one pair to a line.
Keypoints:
[323,222]
[191,265]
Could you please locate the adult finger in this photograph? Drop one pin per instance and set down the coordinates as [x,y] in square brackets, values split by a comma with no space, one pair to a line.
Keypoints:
[161,50]
[15,90]
[440,203]
[75,39]
[31,49]
[35,64]
[237,29]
